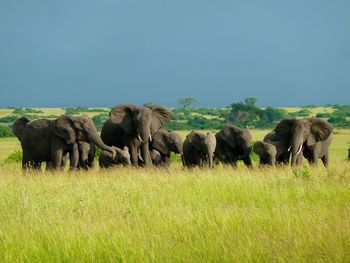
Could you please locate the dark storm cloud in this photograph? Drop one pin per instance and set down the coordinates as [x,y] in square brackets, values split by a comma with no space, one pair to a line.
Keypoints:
[101,53]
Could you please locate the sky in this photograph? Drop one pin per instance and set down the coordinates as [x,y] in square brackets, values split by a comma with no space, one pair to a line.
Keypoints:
[100,53]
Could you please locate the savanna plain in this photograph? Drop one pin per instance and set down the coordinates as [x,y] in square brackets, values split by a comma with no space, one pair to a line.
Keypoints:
[279,214]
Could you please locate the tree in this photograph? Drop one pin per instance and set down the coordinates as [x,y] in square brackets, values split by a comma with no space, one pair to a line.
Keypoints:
[187,102]
[250,101]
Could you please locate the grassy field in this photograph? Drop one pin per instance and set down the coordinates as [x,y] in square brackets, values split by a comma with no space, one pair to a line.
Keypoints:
[151,215]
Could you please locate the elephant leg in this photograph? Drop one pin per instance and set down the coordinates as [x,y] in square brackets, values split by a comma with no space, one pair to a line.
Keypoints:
[74,157]
[248,162]
[56,154]
[64,160]
[36,165]
[134,155]
[146,154]
[325,159]
[184,164]
[299,160]
[166,161]
[313,159]
[25,161]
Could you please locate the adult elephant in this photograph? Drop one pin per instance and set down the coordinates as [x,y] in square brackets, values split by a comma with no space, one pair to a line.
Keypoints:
[233,144]
[310,137]
[133,126]
[198,150]
[266,152]
[49,141]
[162,144]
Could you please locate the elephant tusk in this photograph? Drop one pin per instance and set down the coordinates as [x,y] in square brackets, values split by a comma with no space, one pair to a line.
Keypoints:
[139,137]
[150,137]
[301,146]
[290,147]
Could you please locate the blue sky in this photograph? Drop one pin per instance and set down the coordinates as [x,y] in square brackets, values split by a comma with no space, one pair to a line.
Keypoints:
[106,52]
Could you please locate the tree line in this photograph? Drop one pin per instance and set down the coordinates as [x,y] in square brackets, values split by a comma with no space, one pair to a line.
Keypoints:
[186,116]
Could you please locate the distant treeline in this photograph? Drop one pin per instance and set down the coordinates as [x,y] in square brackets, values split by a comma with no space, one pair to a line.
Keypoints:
[188,117]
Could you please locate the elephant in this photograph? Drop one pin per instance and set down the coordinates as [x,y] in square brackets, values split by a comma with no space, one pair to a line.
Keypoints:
[133,126]
[198,150]
[266,152]
[164,142]
[233,144]
[310,137]
[107,160]
[156,157]
[49,141]
[86,155]
[282,147]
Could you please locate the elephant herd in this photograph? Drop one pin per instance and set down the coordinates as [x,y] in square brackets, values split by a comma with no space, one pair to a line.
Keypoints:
[133,135]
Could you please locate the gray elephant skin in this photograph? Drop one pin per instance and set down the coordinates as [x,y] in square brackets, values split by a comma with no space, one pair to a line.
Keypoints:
[266,152]
[198,150]
[310,137]
[163,143]
[133,126]
[49,141]
[86,155]
[233,144]
[282,147]
[107,160]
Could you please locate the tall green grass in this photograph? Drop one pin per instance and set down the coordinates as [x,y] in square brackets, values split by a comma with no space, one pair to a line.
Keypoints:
[176,215]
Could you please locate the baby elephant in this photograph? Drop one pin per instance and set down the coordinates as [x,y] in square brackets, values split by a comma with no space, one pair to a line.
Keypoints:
[122,157]
[198,150]
[266,151]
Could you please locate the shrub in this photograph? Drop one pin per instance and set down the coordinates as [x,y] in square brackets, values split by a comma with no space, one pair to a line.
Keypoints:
[14,157]
[6,132]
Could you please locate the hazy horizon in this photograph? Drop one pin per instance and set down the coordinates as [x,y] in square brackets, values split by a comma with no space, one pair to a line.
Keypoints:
[103,53]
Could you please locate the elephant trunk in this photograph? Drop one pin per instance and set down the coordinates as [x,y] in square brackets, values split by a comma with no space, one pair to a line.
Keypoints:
[96,139]
[296,148]
[144,133]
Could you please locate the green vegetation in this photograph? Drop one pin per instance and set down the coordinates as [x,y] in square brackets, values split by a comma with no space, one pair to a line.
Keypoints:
[14,157]
[5,132]
[134,215]
[80,110]
[24,111]
[187,117]
[141,215]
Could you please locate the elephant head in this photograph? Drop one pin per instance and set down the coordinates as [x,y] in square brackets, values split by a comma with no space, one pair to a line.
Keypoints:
[237,138]
[266,151]
[18,127]
[166,142]
[140,122]
[122,157]
[299,132]
[78,128]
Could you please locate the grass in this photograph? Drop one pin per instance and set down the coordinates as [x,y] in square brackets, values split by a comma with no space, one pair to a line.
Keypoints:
[134,215]
[149,215]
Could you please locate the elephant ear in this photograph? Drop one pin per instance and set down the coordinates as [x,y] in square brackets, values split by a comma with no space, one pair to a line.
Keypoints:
[229,134]
[259,148]
[284,129]
[122,115]
[63,128]
[320,131]
[160,143]
[160,116]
